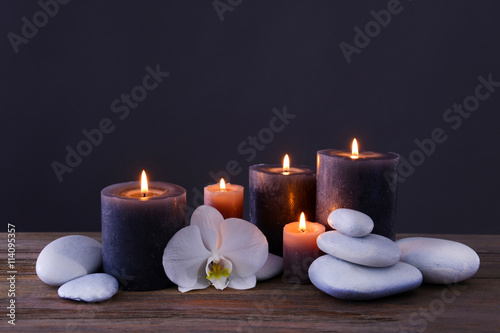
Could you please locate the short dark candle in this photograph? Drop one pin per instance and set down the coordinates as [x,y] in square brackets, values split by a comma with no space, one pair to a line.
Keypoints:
[278,198]
[136,230]
[366,183]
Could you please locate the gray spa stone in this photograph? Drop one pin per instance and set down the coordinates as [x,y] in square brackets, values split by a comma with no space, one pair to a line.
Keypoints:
[372,250]
[67,258]
[272,267]
[350,222]
[90,288]
[344,280]
[439,260]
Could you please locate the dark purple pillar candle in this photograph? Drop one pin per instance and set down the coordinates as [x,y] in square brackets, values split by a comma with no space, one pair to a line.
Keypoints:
[136,230]
[278,198]
[367,184]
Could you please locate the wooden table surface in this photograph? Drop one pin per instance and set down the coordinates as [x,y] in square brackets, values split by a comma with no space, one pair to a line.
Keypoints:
[273,306]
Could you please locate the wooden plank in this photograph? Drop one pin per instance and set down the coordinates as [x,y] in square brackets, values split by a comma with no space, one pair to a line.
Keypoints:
[270,307]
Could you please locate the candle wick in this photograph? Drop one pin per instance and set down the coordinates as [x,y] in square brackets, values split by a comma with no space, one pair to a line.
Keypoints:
[144,195]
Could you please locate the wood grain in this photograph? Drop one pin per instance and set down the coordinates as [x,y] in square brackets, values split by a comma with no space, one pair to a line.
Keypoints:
[273,306]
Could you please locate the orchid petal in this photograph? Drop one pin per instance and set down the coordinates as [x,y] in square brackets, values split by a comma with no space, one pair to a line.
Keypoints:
[195,287]
[184,259]
[208,219]
[244,245]
[201,283]
[237,282]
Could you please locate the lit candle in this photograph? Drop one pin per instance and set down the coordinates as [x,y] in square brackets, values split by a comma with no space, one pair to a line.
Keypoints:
[300,249]
[138,220]
[364,181]
[226,198]
[278,194]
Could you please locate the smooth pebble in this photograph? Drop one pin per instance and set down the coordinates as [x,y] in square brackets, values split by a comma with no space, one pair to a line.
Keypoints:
[272,267]
[439,260]
[344,280]
[67,258]
[350,222]
[90,288]
[372,250]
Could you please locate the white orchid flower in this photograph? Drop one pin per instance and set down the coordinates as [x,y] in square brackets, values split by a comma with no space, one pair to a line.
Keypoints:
[225,253]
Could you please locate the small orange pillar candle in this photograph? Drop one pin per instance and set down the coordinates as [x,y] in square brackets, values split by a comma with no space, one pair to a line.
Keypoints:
[226,198]
[300,249]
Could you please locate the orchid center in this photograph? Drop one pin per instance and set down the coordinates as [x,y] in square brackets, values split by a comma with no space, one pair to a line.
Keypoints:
[218,271]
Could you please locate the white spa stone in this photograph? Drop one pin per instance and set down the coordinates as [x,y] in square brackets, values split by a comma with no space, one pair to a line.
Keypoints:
[372,250]
[439,260]
[344,280]
[272,267]
[67,258]
[350,222]
[90,288]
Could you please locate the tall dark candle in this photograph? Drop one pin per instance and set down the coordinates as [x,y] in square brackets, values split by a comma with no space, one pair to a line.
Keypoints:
[366,183]
[278,198]
[136,230]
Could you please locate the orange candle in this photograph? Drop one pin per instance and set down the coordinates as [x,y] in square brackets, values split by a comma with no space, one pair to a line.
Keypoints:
[300,249]
[226,198]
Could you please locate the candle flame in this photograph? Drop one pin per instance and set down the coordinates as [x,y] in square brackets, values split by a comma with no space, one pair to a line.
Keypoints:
[355,151]
[286,165]
[302,222]
[222,184]
[144,184]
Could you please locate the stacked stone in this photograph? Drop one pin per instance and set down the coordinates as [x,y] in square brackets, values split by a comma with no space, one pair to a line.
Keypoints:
[359,265]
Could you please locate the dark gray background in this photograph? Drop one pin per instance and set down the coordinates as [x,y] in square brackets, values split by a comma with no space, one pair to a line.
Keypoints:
[225,79]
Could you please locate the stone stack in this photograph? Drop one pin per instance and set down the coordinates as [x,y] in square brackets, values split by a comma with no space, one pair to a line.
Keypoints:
[359,265]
